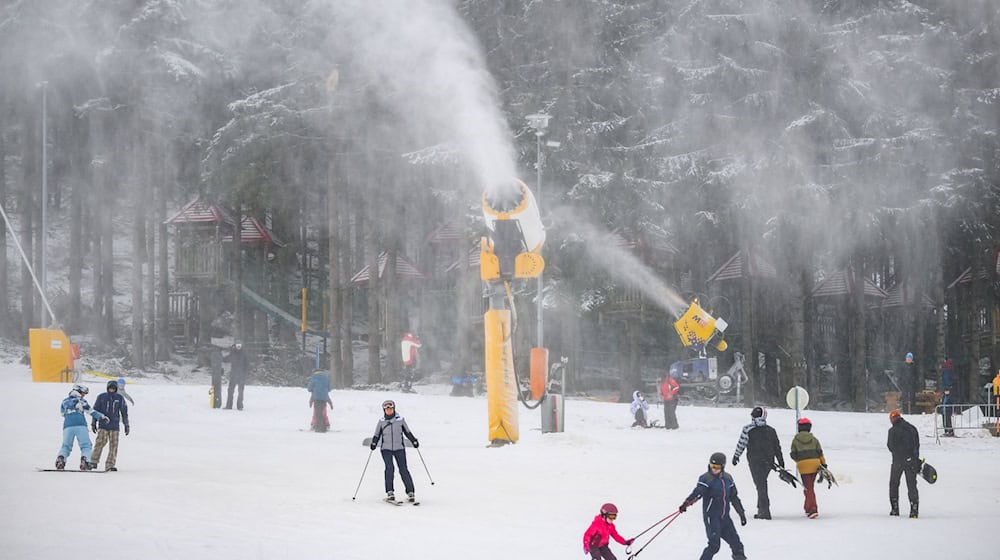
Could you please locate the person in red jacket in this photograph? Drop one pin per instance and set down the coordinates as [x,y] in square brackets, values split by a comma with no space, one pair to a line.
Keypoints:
[597,538]
[668,390]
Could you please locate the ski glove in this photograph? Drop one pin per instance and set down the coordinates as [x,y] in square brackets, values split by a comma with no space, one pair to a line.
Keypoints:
[684,506]
[126,429]
[628,542]
[93,426]
[416,443]
[743,519]
[736,460]
[79,406]
[373,445]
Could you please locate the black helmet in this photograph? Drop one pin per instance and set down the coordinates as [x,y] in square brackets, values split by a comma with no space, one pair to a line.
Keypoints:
[113,384]
[758,412]
[718,459]
[609,509]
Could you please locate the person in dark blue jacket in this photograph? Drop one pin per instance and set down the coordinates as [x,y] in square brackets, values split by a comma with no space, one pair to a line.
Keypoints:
[319,399]
[74,410]
[717,491]
[112,405]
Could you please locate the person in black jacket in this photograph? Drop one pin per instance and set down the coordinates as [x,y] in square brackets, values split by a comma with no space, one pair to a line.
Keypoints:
[237,374]
[904,444]
[763,453]
[112,405]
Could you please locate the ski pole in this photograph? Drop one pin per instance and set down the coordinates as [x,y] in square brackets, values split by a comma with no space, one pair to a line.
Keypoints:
[673,516]
[421,455]
[363,474]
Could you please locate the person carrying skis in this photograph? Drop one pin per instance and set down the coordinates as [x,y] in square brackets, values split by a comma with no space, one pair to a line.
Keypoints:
[763,453]
[390,431]
[904,444]
[237,374]
[74,410]
[597,537]
[639,409]
[669,390]
[717,491]
[319,399]
[112,405]
[808,456]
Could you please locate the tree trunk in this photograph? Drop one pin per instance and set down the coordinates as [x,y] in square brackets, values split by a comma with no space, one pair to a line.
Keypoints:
[237,260]
[29,161]
[346,320]
[747,328]
[332,229]
[81,170]
[138,189]
[5,326]
[856,308]
[163,297]
[374,319]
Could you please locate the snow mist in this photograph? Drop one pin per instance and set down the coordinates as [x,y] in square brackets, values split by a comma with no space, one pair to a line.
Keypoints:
[427,65]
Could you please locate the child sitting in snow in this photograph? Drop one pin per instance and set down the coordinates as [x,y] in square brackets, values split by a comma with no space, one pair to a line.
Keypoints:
[597,538]
[639,409]
[74,409]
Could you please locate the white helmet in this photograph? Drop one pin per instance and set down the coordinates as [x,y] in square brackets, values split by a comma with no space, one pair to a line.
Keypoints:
[79,390]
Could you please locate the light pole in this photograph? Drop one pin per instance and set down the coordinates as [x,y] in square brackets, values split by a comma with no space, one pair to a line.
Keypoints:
[539,122]
[45,191]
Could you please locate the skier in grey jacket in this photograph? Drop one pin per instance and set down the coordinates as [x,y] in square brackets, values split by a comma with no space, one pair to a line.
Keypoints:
[390,431]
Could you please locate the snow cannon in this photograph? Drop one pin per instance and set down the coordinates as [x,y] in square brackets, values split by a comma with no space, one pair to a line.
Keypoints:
[696,328]
[516,236]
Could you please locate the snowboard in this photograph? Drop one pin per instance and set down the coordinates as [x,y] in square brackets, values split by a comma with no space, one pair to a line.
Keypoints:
[69,470]
[928,473]
[367,442]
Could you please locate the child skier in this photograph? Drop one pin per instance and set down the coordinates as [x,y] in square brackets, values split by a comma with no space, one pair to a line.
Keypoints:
[718,490]
[597,537]
[390,430]
[808,456]
[73,409]
[319,399]
[639,409]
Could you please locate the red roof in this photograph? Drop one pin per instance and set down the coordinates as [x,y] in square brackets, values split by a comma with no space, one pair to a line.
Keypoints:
[200,211]
[841,283]
[758,267]
[405,269]
[254,232]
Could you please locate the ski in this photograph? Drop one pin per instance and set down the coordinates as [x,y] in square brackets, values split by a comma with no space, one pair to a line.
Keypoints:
[69,470]
[392,501]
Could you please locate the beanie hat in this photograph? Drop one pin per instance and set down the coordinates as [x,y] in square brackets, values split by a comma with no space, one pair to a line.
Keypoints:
[895,415]
[758,412]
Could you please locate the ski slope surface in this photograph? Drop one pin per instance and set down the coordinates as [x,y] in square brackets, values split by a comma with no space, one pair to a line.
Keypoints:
[256,484]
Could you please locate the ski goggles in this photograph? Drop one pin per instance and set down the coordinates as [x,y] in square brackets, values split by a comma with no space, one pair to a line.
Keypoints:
[611,516]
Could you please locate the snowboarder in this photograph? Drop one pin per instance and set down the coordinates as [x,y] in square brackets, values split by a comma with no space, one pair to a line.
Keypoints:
[390,431]
[669,390]
[112,405]
[319,399]
[409,347]
[237,374]
[597,537]
[717,491]
[763,453]
[904,444]
[639,409]
[947,388]
[808,456]
[73,410]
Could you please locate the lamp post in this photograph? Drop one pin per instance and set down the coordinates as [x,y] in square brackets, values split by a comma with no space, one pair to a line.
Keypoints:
[539,122]
[45,192]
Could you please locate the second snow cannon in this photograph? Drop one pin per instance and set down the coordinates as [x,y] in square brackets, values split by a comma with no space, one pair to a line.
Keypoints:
[696,328]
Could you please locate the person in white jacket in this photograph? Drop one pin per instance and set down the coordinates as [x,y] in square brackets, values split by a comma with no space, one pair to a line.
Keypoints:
[639,409]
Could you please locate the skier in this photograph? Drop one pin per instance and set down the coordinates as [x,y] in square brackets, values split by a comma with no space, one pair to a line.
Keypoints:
[947,387]
[718,491]
[763,452]
[112,405]
[73,409]
[904,444]
[409,347]
[669,390]
[808,456]
[319,399]
[237,374]
[123,392]
[390,430]
[639,409]
[597,537]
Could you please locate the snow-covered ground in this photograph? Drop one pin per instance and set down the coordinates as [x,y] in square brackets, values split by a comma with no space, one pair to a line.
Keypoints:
[201,483]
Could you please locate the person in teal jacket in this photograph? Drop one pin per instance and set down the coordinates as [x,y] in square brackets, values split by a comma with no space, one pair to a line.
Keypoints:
[319,399]
[74,410]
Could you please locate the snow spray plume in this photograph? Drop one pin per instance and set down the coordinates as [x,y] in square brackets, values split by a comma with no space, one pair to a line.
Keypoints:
[619,262]
[424,59]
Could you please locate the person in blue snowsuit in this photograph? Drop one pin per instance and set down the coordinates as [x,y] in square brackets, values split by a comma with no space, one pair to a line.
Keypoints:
[319,399]
[717,491]
[74,410]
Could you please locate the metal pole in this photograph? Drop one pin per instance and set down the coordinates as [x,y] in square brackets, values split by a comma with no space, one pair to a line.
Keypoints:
[45,192]
[538,185]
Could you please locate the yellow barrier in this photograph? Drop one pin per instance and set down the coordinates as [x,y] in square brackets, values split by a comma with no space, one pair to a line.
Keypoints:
[52,356]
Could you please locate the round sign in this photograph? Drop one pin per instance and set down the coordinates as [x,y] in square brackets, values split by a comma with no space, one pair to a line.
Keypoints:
[803,397]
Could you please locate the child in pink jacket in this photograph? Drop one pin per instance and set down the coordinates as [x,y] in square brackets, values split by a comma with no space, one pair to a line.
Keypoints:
[598,536]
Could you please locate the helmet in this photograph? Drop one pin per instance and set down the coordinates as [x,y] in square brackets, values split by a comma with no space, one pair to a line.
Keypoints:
[121,381]
[113,384]
[895,415]
[389,402]
[909,357]
[758,412]
[718,459]
[637,396]
[805,424]
[609,509]
[81,389]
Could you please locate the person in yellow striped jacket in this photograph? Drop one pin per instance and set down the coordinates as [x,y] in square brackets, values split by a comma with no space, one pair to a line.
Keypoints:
[807,453]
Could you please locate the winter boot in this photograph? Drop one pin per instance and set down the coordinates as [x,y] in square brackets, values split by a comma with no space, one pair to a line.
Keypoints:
[84,464]
[762,515]
[390,496]
[894,508]
[914,506]
[60,462]
[410,497]
[739,556]
[113,469]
